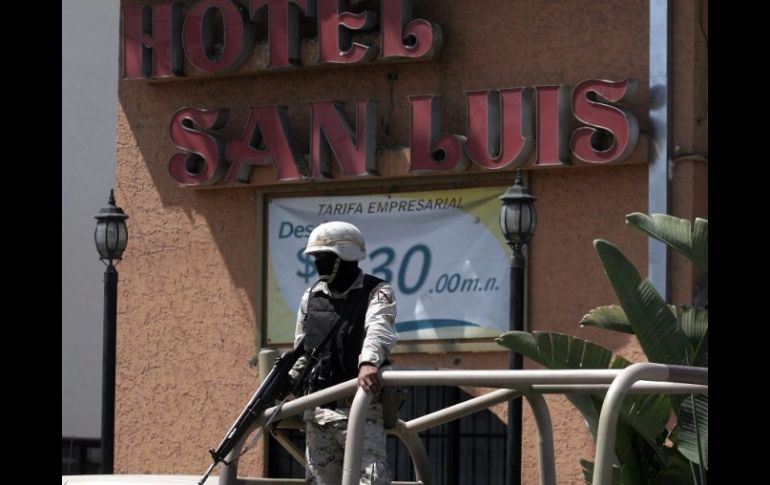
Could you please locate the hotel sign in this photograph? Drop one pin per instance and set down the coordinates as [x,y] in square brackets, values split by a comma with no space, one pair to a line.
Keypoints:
[503,126]
[218,36]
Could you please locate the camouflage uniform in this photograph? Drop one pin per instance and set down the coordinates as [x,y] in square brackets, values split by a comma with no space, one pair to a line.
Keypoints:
[326,431]
[326,428]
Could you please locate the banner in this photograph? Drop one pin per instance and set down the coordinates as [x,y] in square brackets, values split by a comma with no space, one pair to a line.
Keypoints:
[441,251]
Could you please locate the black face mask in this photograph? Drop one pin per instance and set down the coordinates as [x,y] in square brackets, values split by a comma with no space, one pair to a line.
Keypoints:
[338,274]
[326,264]
[346,275]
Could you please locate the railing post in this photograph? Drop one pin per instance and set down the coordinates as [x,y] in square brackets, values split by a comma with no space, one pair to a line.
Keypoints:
[354,442]
[417,451]
[608,418]
[547,456]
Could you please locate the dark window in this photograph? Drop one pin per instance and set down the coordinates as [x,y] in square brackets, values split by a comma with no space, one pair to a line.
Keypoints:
[80,456]
[477,441]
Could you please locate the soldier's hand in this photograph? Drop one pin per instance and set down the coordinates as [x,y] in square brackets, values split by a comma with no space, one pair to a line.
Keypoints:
[369,379]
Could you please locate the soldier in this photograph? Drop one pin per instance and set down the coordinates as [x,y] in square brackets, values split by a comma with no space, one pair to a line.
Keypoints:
[362,309]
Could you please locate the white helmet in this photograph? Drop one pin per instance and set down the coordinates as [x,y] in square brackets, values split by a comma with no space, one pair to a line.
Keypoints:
[340,238]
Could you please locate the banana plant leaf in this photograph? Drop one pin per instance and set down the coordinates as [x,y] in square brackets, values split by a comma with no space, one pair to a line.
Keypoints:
[666,340]
[702,352]
[610,317]
[692,430]
[653,322]
[675,472]
[690,240]
[695,324]
[551,351]
[646,415]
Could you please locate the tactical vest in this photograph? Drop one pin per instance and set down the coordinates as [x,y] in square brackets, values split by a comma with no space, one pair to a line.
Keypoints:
[338,360]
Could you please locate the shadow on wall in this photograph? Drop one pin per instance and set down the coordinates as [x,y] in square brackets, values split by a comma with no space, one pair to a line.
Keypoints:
[229,211]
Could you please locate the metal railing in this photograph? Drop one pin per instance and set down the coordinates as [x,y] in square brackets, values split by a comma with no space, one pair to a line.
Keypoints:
[642,378]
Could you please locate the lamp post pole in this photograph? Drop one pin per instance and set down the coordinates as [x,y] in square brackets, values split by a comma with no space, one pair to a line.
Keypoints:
[517,222]
[111,238]
[108,367]
[515,362]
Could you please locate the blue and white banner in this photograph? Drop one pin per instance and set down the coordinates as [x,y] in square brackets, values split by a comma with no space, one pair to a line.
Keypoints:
[442,251]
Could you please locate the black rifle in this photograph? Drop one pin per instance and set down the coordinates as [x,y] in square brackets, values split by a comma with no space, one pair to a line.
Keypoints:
[263,398]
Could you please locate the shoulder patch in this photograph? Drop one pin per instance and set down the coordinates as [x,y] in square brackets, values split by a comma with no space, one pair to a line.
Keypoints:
[384,296]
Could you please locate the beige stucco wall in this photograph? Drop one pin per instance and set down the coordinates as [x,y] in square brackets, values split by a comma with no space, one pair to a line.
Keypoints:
[190,293]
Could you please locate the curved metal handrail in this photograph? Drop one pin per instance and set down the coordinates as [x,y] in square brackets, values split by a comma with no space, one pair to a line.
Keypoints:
[608,418]
[643,378]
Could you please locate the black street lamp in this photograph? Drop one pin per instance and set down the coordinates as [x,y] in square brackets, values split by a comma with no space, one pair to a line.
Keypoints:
[111,237]
[517,221]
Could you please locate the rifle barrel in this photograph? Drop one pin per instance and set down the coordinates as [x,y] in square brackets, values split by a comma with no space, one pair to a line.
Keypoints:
[208,472]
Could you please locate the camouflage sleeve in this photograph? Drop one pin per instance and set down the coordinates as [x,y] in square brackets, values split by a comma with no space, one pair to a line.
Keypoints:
[299,332]
[379,326]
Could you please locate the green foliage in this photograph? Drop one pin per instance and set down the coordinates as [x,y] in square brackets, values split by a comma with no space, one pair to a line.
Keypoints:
[648,314]
[647,451]
[676,233]
[611,317]
[676,472]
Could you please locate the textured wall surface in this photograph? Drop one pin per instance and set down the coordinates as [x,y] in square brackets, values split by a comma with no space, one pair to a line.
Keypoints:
[191,292]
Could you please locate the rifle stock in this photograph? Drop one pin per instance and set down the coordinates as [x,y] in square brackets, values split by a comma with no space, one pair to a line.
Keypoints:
[263,398]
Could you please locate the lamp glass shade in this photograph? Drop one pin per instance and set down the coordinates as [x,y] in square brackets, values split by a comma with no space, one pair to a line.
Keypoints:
[111,237]
[518,220]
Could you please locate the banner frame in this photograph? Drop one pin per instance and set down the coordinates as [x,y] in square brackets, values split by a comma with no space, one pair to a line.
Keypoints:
[404,346]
